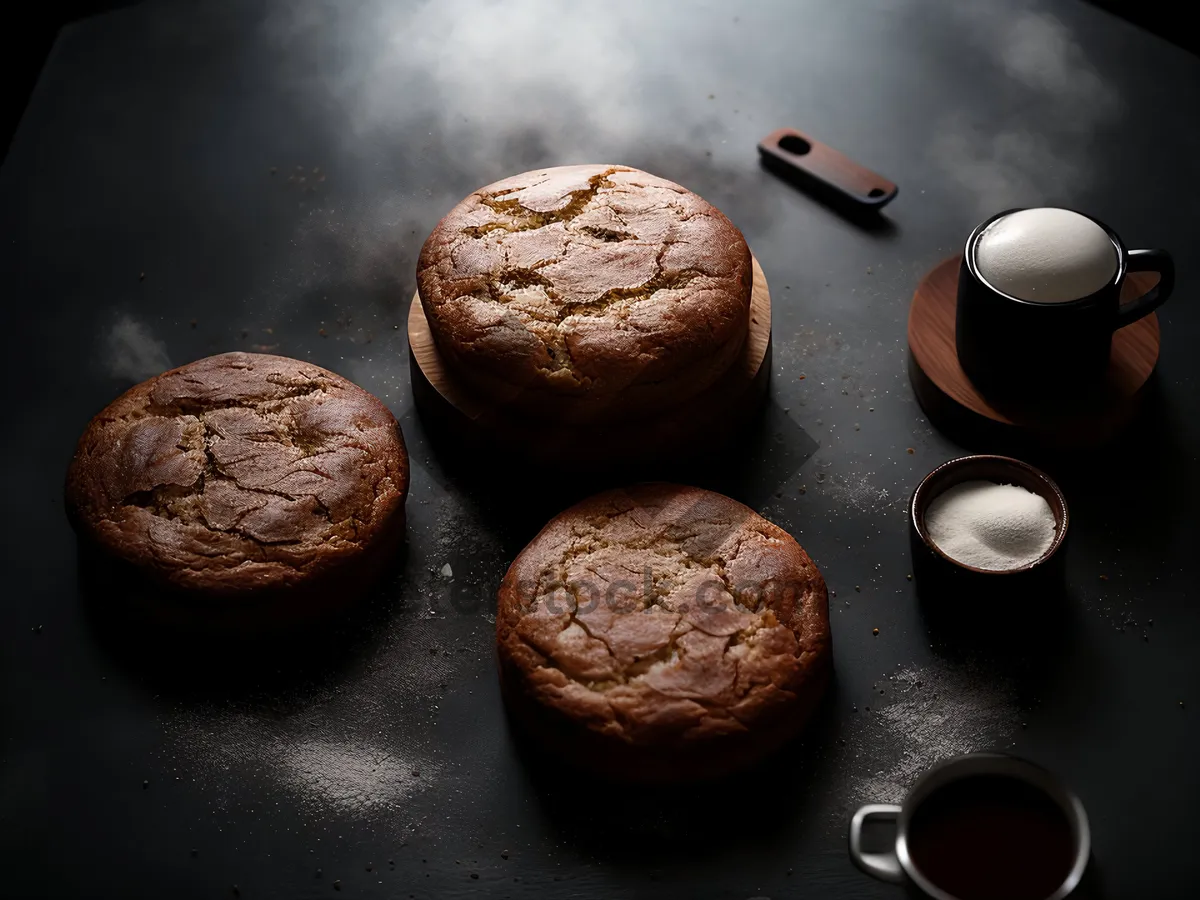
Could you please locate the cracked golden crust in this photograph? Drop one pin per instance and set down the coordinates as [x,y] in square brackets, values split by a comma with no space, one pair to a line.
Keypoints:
[242,472]
[581,283]
[661,631]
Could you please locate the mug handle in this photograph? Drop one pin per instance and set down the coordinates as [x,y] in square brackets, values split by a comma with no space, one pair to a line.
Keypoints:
[1148,261]
[884,866]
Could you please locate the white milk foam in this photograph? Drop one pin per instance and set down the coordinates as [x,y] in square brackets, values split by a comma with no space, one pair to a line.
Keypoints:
[1046,255]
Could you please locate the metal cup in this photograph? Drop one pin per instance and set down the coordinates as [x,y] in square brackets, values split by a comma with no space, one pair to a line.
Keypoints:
[896,865]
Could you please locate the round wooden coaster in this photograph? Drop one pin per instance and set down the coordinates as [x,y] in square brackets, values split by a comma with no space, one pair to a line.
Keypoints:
[697,425]
[944,389]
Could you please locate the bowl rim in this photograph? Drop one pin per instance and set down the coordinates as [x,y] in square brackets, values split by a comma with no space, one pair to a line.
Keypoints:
[917,520]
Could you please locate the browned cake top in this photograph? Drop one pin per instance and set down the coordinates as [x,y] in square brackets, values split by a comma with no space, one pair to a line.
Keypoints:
[661,613]
[239,471]
[585,279]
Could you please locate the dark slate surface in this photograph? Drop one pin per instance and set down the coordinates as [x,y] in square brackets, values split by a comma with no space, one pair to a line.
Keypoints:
[382,757]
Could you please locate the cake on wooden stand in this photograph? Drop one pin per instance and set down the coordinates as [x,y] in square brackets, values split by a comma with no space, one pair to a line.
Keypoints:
[707,422]
[948,396]
[589,318]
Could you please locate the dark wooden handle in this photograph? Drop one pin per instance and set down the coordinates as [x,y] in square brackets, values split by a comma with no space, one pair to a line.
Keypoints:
[820,168]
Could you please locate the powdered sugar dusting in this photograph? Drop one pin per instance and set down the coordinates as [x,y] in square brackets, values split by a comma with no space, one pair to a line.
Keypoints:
[856,491]
[363,744]
[932,713]
[363,739]
[353,776]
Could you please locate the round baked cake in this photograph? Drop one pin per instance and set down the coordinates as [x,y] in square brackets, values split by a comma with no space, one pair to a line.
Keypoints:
[244,474]
[587,291]
[660,632]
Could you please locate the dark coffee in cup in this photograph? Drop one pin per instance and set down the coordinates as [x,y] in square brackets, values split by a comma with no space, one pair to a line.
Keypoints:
[985,826]
[991,837]
[1039,297]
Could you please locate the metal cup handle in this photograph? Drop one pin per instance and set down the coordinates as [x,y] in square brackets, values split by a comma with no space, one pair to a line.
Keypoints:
[884,866]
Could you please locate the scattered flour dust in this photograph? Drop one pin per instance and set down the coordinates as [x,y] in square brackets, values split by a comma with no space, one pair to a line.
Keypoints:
[363,744]
[351,772]
[355,777]
[856,491]
[930,713]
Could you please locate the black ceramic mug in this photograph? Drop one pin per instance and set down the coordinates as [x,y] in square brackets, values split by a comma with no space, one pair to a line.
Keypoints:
[981,825]
[1035,351]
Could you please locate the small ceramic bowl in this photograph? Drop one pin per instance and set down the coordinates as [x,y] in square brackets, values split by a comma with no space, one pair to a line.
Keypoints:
[929,561]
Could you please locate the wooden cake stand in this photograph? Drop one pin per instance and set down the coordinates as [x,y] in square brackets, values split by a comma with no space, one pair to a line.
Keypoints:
[946,393]
[693,428]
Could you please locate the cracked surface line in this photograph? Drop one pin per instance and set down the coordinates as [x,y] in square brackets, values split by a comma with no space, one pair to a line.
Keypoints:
[524,219]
